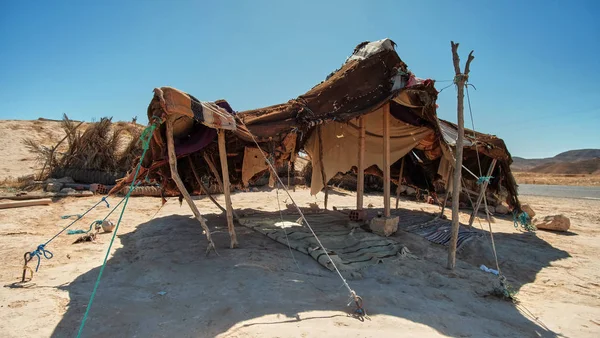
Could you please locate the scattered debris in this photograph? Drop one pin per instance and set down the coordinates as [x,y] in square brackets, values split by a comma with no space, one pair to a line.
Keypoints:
[91,237]
[553,222]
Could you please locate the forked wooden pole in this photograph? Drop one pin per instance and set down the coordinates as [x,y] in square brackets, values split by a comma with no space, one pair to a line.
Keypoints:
[460,79]
[360,174]
[181,186]
[482,190]
[386,160]
[226,188]
[400,176]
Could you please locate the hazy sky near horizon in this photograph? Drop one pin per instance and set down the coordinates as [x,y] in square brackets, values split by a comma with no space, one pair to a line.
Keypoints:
[536,66]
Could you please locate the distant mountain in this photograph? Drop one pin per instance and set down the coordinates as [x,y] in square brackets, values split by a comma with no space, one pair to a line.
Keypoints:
[578,155]
[588,167]
[568,162]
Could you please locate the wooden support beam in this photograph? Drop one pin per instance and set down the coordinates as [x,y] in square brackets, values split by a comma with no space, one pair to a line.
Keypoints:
[227,188]
[400,176]
[386,160]
[213,169]
[181,186]
[482,190]
[447,187]
[293,165]
[460,80]
[30,203]
[205,190]
[360,174]
[323,176]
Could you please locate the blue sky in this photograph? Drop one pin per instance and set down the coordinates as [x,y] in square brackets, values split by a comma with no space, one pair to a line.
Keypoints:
[536,69]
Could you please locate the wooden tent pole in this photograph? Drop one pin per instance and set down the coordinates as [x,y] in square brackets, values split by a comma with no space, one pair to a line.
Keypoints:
[323,176]
[482,190]
[204,189]
[400,176]
[447,187]
[226,188]
[360,174]
[460,79]
[213,168]
[386,160]
[181,186]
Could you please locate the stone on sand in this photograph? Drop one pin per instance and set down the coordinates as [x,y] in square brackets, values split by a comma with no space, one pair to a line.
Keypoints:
[554,222]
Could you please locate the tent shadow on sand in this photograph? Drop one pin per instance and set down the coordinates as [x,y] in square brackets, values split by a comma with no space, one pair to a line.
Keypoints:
[161,284]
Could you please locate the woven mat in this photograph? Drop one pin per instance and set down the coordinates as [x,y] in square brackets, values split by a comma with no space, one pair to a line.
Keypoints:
[350,249]
[433,229]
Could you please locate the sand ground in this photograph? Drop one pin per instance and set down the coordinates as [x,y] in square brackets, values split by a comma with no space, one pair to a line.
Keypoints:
[158,282]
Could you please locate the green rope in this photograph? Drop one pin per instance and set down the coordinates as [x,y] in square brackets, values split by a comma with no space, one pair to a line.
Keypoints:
[145,137]
[484,179]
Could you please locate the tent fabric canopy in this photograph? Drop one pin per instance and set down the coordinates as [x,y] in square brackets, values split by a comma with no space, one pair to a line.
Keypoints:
[372,76]
[341,140]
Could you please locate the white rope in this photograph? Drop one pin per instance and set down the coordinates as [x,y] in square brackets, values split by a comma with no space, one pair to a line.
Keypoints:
[352,293]
[288,240]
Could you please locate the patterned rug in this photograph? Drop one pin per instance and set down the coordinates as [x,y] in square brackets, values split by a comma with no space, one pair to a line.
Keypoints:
[433,229]
[349,248]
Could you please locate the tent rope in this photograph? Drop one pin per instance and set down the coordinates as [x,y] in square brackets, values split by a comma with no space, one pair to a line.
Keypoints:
[145,138]
[41,250]
[505,288]
[357,299]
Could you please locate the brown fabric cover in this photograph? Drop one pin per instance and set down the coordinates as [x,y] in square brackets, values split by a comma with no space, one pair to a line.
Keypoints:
[340,145]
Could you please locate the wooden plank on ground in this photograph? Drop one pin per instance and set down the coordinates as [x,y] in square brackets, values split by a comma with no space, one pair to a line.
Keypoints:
[20,204]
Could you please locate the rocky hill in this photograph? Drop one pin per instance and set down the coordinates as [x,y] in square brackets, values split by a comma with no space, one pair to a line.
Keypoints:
[580,161]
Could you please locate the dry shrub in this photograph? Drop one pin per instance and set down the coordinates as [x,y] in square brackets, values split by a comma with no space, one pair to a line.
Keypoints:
[12,184]
[103,146]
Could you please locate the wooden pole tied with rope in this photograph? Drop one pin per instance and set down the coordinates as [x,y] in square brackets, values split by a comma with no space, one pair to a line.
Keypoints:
[460,80]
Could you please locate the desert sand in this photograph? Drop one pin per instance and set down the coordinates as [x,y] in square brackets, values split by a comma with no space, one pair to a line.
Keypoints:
[159,283]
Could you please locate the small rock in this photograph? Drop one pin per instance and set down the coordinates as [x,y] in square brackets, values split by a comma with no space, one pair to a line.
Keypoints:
[410,191]
[501,209]
[54,187]
[254,190]
[554,222]
[384,226]
[526,208]
[108,226]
